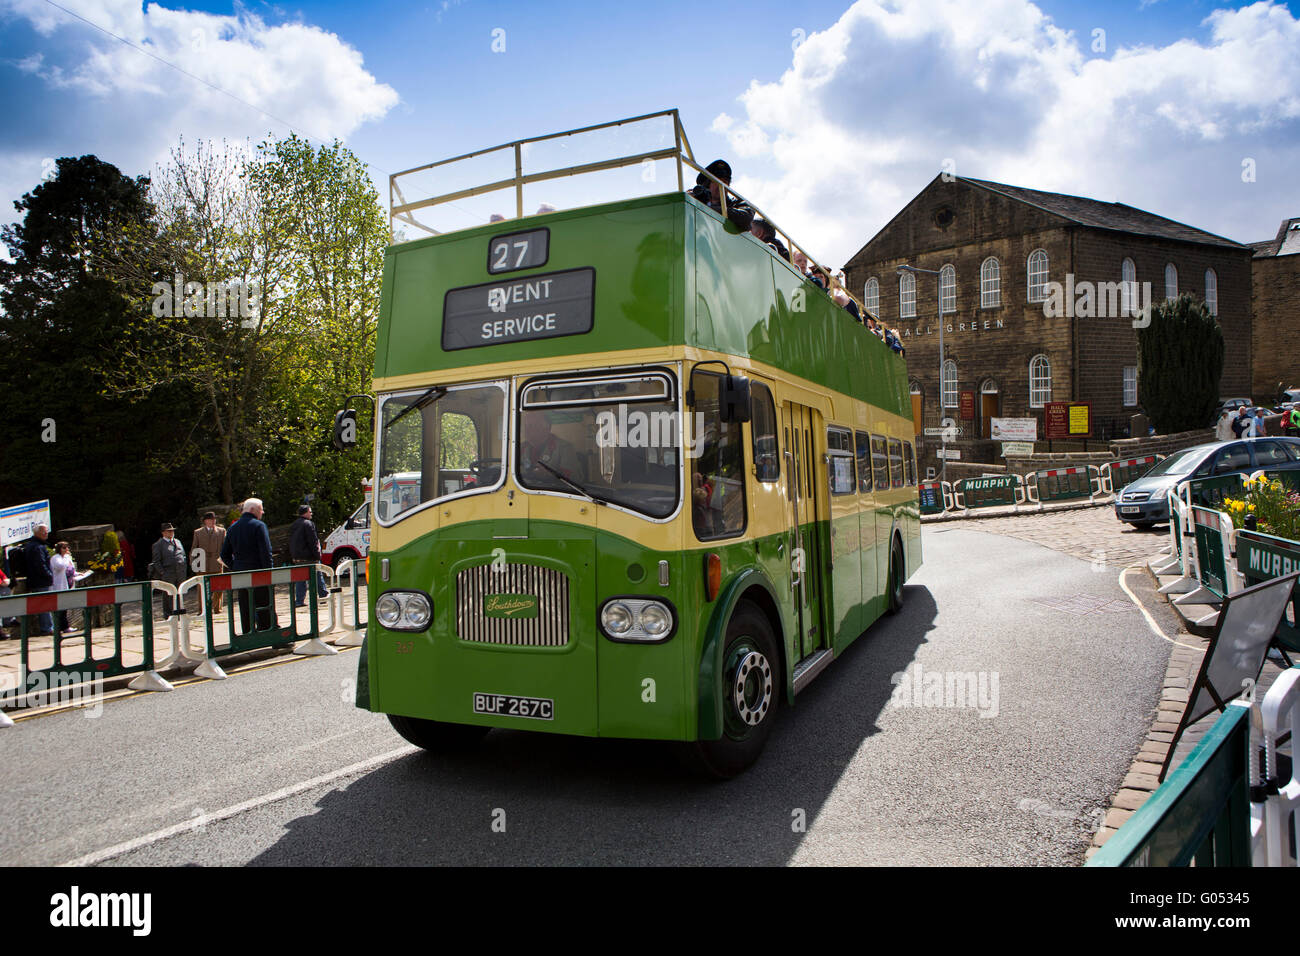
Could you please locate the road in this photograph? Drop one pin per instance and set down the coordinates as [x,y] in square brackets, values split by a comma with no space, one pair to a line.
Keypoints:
[275,766]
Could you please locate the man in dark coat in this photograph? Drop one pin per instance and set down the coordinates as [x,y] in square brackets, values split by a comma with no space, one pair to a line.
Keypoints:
[707,192]
[304,548]
[39,577]
[168,565]
[248,548]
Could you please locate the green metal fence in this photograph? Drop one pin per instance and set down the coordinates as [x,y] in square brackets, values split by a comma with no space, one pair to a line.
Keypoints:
[989,491]
[1201,813]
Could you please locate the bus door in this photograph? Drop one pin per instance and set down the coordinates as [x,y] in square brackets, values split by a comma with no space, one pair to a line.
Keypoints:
[801,426]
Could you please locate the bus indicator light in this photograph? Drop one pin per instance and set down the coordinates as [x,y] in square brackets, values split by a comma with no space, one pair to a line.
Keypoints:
[712,575]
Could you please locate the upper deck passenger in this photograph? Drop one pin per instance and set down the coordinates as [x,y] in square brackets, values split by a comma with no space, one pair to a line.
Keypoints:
[766,232]
[706,191]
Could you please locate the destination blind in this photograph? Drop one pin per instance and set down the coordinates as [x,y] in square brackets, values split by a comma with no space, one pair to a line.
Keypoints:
[519,310]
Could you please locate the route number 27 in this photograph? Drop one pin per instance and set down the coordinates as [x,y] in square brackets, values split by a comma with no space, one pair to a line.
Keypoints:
[502,251]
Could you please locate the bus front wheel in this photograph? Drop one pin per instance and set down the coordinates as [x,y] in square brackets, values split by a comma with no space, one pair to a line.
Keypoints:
[751,688]
[435,735]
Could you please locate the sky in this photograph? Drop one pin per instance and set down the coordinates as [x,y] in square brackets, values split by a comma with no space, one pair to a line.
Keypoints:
[833,115]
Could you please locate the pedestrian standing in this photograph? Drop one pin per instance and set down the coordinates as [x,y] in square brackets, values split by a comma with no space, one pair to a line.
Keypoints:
[248,548]
[168,565]
[128,556]
[36,556]
[208,541]
[304,548]
[63,569]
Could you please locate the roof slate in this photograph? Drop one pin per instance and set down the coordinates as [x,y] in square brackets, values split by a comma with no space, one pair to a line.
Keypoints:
[1106,215]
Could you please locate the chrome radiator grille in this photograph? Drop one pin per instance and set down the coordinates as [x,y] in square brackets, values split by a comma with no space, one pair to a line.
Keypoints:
[549,628]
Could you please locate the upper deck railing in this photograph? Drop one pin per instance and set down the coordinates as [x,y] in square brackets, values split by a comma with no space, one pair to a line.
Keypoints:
[474,187]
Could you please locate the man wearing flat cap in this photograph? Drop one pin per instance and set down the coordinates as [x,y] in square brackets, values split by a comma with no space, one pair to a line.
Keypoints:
[304,548]
[709,192]
[168,565]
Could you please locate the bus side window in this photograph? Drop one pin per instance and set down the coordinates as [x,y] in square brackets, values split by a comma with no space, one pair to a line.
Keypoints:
[718,473]
[880,461]
[839,446]
[767,460]
[864,462]
[895,463]
[909,463]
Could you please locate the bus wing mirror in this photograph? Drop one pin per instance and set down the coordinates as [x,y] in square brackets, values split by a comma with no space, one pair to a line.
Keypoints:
[345,429]
[735,398]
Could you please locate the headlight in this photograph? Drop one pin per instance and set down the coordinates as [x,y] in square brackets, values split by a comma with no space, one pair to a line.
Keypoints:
[404,610]
[389,610]
[655,620]
[616,619]
[638,620]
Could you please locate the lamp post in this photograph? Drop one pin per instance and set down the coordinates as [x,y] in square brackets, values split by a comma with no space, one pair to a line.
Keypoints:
[943,438]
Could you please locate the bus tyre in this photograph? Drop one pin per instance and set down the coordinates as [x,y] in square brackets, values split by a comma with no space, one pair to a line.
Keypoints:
[436,736]
[751,689]
[896,575]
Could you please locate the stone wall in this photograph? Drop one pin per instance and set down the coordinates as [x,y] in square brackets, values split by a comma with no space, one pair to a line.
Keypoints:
[1160,444]
[1276,332]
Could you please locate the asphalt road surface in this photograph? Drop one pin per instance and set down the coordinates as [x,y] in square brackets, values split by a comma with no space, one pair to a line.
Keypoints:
[277,767]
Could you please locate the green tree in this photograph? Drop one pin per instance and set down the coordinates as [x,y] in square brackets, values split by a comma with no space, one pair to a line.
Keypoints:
[1180,360]
[63,329]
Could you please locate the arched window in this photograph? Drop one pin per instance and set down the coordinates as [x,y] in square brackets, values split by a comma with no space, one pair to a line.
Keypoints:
[1212,291]
[990,284]
[950,384]
[1037,274]
[1040,381]
[871,295]
[1128,275]
[907,296]
[947,289]
[1171,281]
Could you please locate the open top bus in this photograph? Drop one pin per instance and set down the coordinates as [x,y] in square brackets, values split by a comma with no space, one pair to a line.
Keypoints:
[663,479]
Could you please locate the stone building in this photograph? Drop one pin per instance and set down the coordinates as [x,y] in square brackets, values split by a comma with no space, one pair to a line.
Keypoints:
[1039,292]
[1275,296]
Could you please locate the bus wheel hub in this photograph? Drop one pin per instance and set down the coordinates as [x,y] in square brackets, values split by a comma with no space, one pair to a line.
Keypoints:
[751,688]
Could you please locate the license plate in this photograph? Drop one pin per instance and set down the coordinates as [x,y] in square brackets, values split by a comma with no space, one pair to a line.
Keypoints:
[504,705]
[1131,511]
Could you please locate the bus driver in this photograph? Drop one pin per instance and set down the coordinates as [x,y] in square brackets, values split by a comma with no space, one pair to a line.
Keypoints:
[540,445]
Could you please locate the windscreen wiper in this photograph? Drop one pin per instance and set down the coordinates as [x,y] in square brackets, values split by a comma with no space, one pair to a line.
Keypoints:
[420,402]
[575,486]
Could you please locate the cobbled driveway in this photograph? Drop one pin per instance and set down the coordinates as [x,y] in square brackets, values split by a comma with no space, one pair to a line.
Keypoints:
[1093,534]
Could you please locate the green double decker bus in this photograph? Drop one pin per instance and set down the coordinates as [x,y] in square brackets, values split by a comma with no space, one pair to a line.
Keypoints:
[635,476]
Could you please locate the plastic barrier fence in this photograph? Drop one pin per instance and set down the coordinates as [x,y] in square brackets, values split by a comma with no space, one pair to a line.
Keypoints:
[1274,818]
[1261,557]
[1201,813]
[1212,531]
[349,603]
[253,599]
[1210,492]
[93,661]
[1116,474]
[1064,484]
[989,492]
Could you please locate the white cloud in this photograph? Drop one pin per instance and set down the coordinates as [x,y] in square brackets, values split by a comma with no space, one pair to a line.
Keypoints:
[297,73]
[871,107]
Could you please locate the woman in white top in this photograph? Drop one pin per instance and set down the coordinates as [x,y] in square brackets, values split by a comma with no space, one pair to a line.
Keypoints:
[63,568]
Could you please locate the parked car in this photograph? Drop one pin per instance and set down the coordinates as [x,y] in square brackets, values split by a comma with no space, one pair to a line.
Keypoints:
[1231,405]
[1143,503]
